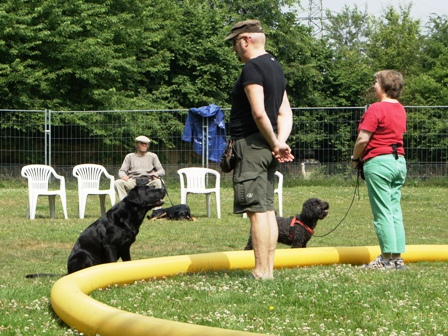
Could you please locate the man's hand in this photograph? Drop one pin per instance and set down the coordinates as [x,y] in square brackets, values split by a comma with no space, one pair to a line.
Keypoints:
[282,152]
[125,178]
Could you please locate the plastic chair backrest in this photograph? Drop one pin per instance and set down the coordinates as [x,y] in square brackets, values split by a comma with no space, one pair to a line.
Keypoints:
[38,176]
[195,179]
[89,176]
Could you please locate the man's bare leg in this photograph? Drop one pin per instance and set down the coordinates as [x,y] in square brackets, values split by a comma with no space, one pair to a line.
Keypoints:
[273,237]
[264,239]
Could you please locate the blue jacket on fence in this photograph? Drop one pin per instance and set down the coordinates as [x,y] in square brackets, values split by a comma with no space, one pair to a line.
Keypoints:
[213,117]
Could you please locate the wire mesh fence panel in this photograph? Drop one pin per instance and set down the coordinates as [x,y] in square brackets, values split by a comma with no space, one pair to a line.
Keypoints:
[426,141]
[322,140]
[105,137]
[22,140]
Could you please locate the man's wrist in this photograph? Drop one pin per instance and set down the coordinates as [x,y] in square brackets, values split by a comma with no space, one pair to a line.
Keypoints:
[355,160]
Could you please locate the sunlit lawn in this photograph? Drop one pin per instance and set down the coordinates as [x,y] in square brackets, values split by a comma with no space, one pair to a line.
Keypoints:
[321,300]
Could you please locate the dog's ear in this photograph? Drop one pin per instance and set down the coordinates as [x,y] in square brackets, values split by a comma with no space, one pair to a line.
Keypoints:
[135,194]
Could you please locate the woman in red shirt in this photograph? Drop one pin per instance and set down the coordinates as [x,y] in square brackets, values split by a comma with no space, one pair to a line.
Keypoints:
[380,146]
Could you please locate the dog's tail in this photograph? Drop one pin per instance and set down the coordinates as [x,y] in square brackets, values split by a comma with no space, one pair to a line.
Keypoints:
[42,275]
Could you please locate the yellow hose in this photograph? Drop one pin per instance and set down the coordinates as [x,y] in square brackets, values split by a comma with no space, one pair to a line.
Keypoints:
[71,301]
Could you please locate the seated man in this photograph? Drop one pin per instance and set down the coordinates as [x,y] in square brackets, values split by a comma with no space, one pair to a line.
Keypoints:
[139,164]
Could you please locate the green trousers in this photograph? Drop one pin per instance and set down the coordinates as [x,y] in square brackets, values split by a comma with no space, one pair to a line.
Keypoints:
[385,175]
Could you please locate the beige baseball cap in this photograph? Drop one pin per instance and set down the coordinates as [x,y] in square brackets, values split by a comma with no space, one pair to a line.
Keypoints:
[143,139]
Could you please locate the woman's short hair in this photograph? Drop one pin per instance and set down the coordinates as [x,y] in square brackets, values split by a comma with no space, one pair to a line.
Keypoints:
[391,82]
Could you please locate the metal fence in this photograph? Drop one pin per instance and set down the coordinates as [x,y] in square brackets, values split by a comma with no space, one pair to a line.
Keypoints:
[322,140]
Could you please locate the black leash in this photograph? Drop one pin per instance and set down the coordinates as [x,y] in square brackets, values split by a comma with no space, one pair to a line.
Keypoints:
[360,174]
[166,190]
[348,210]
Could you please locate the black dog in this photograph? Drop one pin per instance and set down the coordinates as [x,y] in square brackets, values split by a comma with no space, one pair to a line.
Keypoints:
[297,231]
[176,212]
[111,236]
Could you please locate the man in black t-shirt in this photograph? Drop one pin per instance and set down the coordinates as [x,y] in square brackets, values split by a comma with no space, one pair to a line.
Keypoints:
[260,124]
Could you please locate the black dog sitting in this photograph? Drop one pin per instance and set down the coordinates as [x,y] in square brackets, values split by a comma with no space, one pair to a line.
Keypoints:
[297,231]
[176,212]
[111,236]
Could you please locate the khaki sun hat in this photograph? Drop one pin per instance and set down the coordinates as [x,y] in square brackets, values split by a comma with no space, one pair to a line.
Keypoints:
[248,26]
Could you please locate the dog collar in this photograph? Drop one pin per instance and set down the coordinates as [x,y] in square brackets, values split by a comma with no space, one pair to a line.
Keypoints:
[295,221]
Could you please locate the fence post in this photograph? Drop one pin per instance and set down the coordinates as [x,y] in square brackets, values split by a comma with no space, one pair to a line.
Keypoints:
[205,142]
[48,137]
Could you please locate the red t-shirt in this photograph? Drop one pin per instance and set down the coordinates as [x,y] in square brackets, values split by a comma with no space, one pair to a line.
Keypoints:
[387,122]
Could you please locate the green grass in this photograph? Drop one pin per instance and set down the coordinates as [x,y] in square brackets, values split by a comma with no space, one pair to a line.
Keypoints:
[321,300]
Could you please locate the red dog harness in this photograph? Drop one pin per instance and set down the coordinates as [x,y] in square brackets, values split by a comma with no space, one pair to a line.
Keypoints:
[295,221]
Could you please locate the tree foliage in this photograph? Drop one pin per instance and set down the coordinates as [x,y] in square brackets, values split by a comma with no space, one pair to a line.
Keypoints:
[430,85]
[395,41]
[161,54]
[158,54]
[349,74]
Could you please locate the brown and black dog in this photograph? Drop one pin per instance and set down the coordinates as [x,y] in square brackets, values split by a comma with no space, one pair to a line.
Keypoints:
[175,212]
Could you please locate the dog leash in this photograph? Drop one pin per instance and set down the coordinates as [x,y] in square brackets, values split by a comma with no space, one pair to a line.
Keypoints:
[166,190]
[348,210]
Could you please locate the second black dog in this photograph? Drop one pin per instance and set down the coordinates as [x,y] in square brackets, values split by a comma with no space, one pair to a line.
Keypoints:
[297,231]
[176,212]
[111,236]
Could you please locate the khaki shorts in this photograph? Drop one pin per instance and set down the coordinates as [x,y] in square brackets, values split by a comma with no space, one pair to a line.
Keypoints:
[254,175]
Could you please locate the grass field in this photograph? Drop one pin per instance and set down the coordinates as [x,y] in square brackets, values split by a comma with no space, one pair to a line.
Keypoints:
[321,300]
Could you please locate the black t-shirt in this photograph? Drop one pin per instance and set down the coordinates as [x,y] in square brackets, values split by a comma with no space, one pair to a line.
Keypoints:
[263,70]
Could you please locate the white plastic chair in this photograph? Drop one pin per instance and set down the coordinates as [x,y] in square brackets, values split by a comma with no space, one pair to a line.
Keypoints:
[38,180]
[89,176]
[194,180]
[279,192]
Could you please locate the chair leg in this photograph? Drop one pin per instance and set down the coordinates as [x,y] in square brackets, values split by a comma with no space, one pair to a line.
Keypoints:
[207,197]
[64,204]
[32,205]
[28,209]
[280,204]
[218,204]
[112,198]
[183,198]
[102,204]
[52,202]
[82,205]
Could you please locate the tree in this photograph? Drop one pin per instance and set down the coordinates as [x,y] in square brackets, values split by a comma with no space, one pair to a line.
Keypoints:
[160,54]
[75,54]
[348,76]
[395,42]
[429,87]
[201,65]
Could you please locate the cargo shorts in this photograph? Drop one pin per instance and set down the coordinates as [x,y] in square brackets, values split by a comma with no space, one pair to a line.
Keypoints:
[254,175]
